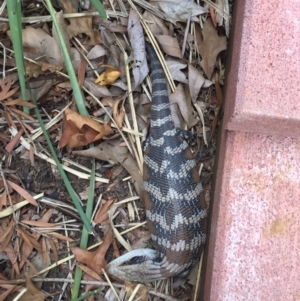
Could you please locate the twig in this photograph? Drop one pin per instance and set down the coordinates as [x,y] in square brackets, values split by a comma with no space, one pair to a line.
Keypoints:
[118,285]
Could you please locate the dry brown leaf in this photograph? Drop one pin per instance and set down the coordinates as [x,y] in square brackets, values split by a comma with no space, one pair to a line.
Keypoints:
[19,102]
[60,236]
[25,249]
[108,77]
[157,25]
[39,223]
[8,292]
[13,142]
[5,90]
[184,105]
[118,114]
[43,44]
[12,255]
[89,271]
[54,250]
[81,130]
[96,52]
[170,45]
[95,260]
[135,31]
[95,89]
[210,46]
[142,293]
[9,120]
[174,66]
[213,16]
[21,113]
[111,151]
[80,25]
[101,217]
[40,262]
[81,72]
[24,237]
[32,292]
[180,10]
[3,199]
[196,81]
[27,196]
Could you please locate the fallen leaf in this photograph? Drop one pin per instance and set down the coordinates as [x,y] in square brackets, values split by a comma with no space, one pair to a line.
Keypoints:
[118,113]
[141,294]
[196,81]
[174,67]
[80,25]
[40,262]
[95,260]
[13,142]
[96,52]
[209,48]
[135,31]
[111,151]
[81,130]
[101,216]
[32,292]
[95,89]
[6,92]
[157,25]
[25,249]
[44,44]
[19,102]
[212,16]
[108,77]
[170,45]
[180,10]
[26,195]
[184,105]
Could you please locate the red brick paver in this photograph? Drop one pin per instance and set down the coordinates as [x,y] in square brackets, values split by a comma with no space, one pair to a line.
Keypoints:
[254,244]
[263,82]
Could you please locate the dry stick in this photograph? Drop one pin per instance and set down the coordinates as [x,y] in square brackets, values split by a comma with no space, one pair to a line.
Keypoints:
[134,120]
[186,32]
[151,291]
[198,278]
[111,285]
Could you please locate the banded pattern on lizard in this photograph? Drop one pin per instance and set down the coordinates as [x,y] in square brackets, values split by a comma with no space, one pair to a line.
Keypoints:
[176,217]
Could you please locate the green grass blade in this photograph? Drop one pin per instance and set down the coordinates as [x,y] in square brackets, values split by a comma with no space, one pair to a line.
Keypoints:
[84,235]
[67,183]
[100,9]
[82,110]
[15,23]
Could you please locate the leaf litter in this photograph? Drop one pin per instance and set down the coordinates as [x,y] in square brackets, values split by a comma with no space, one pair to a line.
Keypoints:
[38,223]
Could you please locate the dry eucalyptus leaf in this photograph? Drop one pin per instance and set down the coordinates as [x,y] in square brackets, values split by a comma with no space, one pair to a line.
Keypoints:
[136,35]
[174,67]
[180,10]
[209,48]
[170,45]
[157,25]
